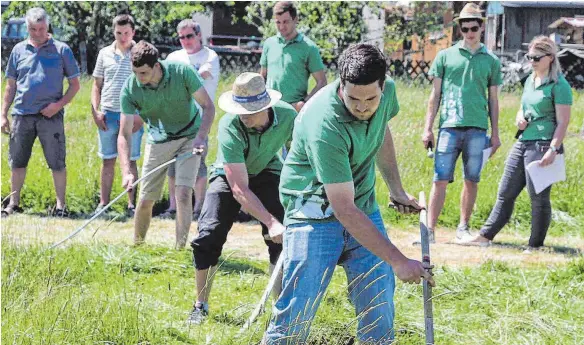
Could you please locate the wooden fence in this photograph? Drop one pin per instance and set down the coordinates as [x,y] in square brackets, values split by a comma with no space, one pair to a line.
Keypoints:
[410,70]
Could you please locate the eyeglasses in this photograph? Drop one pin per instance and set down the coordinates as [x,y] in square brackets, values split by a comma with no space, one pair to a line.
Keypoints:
[535,58]
[473,29]
[186,37]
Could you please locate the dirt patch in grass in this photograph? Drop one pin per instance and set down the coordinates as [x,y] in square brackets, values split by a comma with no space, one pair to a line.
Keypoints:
[245,240]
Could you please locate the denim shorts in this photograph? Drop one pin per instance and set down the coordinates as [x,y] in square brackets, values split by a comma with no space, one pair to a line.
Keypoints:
[108,140]
[451,142]
[311,252]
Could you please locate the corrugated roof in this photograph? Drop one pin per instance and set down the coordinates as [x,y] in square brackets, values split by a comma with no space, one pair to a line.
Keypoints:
[544,4]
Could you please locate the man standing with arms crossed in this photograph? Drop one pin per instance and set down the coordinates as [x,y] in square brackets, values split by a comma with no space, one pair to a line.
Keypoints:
[289,58]
[164,95]
[245,175]
[327,189]
[206,62]
[464,75]
[34,82]
[112,68]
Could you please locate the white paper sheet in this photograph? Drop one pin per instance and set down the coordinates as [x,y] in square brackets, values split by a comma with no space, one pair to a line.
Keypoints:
[543,177]
[486,155]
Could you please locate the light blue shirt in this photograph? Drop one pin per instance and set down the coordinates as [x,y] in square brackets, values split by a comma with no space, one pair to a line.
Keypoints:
[39,74]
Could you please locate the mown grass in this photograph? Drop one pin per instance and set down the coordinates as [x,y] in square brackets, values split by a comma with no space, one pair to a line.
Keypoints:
[114,294]
[416,170]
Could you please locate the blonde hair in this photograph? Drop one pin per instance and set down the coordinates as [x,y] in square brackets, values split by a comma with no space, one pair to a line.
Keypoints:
[545,45]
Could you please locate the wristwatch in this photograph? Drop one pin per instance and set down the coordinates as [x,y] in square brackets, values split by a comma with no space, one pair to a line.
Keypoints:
[553,149]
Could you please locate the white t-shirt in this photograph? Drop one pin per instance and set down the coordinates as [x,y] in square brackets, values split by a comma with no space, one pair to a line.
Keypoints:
[205,60]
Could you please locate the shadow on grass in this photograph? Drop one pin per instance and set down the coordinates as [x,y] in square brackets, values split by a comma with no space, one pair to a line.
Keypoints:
[239,266]
[569,251]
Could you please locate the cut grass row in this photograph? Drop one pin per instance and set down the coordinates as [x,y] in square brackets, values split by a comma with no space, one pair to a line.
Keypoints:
[115,294]
[416,170]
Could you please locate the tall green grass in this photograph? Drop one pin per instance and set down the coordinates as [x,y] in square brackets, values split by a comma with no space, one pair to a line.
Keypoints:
[416,170]
[114,294]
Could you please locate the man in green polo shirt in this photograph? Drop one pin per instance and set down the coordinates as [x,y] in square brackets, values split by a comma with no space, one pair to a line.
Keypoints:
[164,94]
[466,80]
[328,191]
[289,58]
[245,175]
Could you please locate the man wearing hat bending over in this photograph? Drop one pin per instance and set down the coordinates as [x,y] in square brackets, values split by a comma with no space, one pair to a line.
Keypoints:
[245,175]
[464,75]
[328,192]
[164,95]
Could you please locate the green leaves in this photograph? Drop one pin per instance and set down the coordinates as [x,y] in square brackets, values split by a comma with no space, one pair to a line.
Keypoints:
[91,22]
[331,25]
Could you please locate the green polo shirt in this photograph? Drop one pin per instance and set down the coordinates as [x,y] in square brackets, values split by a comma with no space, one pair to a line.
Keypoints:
[259,151]
[169,110]
[466,78]
[538,104]
[330,145]
[290,64]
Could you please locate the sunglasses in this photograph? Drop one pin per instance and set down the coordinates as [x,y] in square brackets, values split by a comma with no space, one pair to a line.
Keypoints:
[473,29]
[535,58]
[186,37]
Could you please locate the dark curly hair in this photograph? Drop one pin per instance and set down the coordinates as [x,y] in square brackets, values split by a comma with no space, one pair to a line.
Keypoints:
[144,53]
[362,64]
[286,6]
[123,19]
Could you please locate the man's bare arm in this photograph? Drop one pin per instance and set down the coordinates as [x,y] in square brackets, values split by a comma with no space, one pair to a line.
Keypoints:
[9,93]
[320,78]
[237,178]
[494,116]
[387,164]
[125,142]
[203,99]
[98,116]
[431,111]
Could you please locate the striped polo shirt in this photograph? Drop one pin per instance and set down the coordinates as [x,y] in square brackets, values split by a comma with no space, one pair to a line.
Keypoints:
[114,68]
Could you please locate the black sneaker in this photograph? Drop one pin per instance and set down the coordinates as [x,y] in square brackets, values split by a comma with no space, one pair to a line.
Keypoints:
[98,209]
[198,315]
[196,215]
[61,213]
[131,211]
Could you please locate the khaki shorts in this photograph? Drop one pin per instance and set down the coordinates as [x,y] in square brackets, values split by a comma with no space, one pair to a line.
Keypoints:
[157,154]
[202,167]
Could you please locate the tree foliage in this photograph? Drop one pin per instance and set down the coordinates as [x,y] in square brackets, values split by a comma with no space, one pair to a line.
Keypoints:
[331,25]
[416,20]
[87,25]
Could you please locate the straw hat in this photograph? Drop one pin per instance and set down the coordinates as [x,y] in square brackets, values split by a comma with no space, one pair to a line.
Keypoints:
[248,95]
[470,11]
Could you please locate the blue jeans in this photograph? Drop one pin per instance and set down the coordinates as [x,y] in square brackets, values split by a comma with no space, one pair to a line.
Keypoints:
[312,250]
[108,140]
[451,142]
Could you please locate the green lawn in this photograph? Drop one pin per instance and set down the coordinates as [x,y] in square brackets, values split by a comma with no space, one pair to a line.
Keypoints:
[416,170]
[116,294]
[103,294]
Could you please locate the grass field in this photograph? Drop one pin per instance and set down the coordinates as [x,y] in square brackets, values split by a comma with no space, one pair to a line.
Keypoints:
[105,292]
[115,294]
[416,170]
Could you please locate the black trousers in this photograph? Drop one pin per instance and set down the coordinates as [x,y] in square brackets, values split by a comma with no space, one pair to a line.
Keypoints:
[514,179]
[220,210]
